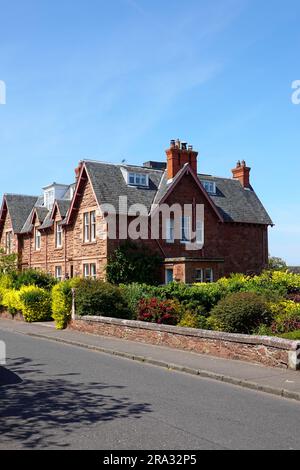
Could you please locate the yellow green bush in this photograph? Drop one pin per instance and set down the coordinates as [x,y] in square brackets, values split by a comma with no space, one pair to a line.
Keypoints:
[11,300]
[62,302]
[191,320]
[36,303]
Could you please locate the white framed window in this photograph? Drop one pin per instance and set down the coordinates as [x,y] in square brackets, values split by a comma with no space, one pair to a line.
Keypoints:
[199,231]
[89,226]
[209,186]
[49,198]
[199,275]
[93,273]
[185,229]
[209,275]
[8,242]
[89,270]
[138,179]
[37,239]
[86,226]
[170,230]
[58,235]
[86,270]
[58,272]
[93,226]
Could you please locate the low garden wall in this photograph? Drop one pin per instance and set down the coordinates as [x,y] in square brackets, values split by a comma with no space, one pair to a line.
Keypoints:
[8,316]
[269,351]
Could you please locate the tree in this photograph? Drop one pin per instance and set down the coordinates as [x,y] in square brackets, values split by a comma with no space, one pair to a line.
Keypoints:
[8,263]
[277,264]
[133,263]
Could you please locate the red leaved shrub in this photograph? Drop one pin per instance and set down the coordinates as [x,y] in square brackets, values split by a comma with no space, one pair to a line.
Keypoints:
[158,311]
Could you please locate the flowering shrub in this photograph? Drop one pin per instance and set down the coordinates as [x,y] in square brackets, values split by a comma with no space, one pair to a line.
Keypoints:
[159,311]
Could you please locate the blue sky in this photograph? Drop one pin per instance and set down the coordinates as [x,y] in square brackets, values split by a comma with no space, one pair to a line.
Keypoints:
[117,80]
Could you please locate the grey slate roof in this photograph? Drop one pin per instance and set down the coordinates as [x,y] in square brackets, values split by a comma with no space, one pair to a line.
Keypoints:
[109,183]
[19,207]
[63,205]
[42,214]
[234,203]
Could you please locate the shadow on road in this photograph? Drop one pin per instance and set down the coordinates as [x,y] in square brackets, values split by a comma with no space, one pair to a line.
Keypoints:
[36,412]
[8,377]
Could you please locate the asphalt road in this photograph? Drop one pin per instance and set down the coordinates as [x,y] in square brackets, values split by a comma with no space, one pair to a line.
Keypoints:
[55,396]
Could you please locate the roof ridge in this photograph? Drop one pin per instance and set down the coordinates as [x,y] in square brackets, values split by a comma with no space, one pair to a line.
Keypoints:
[21,195]
[119,165]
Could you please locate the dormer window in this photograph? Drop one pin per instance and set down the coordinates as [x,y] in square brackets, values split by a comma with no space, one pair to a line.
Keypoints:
[138,179]
[209,186]
[49,198]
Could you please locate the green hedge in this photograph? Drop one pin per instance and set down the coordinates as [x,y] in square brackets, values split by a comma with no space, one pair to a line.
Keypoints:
[94,297]
[241,312]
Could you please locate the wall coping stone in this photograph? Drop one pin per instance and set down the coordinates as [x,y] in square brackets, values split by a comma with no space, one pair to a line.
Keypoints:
[278,343]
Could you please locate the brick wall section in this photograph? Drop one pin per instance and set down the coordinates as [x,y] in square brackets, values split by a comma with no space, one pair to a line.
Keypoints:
[94,252]
[8,228]
[273,352]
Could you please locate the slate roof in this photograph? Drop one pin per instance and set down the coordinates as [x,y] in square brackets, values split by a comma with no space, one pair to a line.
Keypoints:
[234,203]
[19,208]
[108,183]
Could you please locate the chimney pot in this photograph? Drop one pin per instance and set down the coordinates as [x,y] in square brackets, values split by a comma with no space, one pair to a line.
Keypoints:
[172,143]
[178,156]
[242,173]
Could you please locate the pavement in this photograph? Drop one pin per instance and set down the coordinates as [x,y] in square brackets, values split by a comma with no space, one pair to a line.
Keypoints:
[55,395]
[280,382]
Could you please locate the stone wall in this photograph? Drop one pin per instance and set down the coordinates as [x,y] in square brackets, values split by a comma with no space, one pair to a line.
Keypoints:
[269,351]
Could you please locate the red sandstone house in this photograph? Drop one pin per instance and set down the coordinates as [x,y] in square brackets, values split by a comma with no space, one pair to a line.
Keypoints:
[61,232]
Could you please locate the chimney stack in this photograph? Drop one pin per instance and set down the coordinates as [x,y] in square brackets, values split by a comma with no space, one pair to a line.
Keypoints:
[242,173]
[178,155]
[78,170]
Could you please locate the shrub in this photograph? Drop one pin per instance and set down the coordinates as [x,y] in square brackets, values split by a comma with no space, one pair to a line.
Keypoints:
[159,311]
[32,277]
[11,300]
[36,303]
[133,263]
[62,302]
[294,335]
[5,283]
[94,297]
[191,320]
[242,312]
[286,316]
[133,293]
[198,296]
[263,330]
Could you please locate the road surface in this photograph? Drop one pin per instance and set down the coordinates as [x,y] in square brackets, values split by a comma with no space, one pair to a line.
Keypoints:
[56,396]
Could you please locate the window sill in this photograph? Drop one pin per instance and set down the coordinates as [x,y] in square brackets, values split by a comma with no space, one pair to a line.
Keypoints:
[58,248]
[90,243]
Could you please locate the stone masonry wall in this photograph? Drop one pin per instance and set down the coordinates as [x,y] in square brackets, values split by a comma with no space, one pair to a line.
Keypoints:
[273,352]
